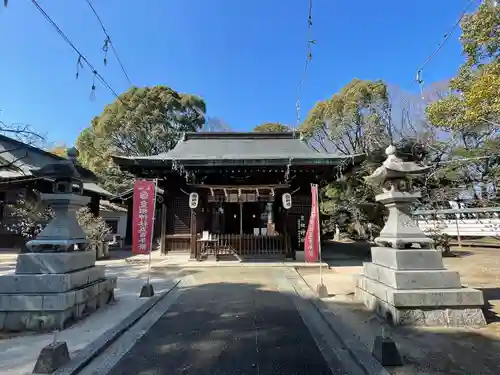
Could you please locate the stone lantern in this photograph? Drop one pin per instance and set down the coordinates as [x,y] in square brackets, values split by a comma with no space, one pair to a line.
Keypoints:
[57,282]
[406,282]
[63,233]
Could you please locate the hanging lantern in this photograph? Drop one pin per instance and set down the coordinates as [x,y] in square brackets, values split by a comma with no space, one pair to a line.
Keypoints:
[287,201]
[193,200]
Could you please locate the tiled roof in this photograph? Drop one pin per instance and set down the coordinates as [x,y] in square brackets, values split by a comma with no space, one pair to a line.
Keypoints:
[239,146]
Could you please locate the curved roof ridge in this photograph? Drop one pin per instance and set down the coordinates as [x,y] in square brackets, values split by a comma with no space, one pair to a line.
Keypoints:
[240,135]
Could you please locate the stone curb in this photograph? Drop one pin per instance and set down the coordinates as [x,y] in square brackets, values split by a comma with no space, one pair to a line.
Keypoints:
[359,353]
[99,345]
[223,264]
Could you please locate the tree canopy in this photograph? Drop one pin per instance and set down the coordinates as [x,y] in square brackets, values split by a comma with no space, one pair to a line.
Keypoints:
[142,121]
[59,150]
[270,127]
[473,99]
[470,110]
[354,120]
[363,117]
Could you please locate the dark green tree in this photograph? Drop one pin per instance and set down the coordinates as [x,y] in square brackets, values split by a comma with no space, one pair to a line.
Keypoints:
[275,127]
[143,121]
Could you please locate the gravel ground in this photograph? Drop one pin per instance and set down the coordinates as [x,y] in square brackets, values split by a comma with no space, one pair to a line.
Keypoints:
[429,350]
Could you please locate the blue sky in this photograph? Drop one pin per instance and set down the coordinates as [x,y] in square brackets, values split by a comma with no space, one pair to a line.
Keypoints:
[243,57]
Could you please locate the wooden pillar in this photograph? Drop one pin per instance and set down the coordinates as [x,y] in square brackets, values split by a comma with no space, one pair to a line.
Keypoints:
[93,205]
[241,224]
[290,251]
[128,232]
[163,239]
[193,242]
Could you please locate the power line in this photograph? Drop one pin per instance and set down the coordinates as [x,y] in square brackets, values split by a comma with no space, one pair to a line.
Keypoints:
[310,42]
[108,42]
[81,56]
[442,43]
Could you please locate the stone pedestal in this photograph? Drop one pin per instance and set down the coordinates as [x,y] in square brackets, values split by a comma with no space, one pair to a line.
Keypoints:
[411,286]
[58,283]
[400,229]
[407,283]
[51,290]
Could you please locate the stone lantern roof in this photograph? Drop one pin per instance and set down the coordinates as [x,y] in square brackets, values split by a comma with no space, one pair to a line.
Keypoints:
[66,174]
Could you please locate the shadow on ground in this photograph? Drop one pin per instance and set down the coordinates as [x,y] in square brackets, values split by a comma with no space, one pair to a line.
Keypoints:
[426,350]
[216,328]
[119,254]
[347,254]
[226,329]
[490,294]
[338,254]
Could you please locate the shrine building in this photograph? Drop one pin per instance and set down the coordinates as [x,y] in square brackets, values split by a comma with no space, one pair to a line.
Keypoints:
[241,179]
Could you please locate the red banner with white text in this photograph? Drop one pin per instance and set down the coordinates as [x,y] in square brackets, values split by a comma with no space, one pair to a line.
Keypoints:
[143,216]
[311,240]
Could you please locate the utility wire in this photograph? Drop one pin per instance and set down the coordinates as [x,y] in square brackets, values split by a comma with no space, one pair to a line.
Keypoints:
[81,56]
[108,42]
[310,42]
[446,37]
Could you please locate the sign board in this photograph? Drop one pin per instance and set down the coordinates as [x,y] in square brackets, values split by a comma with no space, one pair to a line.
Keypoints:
[143,216]
[287,201]
[193,200]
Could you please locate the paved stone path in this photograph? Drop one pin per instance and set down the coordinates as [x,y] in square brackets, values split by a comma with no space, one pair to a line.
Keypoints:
[231,321]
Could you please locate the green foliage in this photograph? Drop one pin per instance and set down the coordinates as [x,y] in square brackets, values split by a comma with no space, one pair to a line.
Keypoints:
[270,127]
[470,110]
[29,216]
[473,101]
[481,34]
[359,119]
[143,121]
[441,240]
[355,120]
[59,150]
[94,227]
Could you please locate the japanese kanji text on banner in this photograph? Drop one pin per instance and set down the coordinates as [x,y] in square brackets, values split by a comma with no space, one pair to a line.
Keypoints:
[311,240]
[143,216]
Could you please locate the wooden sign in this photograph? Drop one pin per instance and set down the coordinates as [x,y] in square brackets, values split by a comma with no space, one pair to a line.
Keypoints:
[287,201]
[193,200]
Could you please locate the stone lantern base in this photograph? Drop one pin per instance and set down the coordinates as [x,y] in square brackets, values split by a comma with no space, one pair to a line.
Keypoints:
[412,287]
[51,290]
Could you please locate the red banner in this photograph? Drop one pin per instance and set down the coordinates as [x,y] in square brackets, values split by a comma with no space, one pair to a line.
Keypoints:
[143,216]
[311,240]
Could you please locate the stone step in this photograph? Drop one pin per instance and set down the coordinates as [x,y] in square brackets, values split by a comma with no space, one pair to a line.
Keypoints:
[412,279]
[50,283]
[61,262]
[408,259]
[421,298]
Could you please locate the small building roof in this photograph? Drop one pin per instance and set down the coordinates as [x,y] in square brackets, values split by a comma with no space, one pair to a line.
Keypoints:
[108,206]
[19,160]
[127,194]
[230,148]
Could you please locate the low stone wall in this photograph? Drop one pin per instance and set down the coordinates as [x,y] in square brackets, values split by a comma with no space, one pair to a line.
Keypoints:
[44,312]
[52,290]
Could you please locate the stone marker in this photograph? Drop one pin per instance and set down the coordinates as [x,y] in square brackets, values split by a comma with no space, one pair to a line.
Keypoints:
[147,291]
[321,290]
[52,357]
[57,282]
[386,352]
[404,284]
